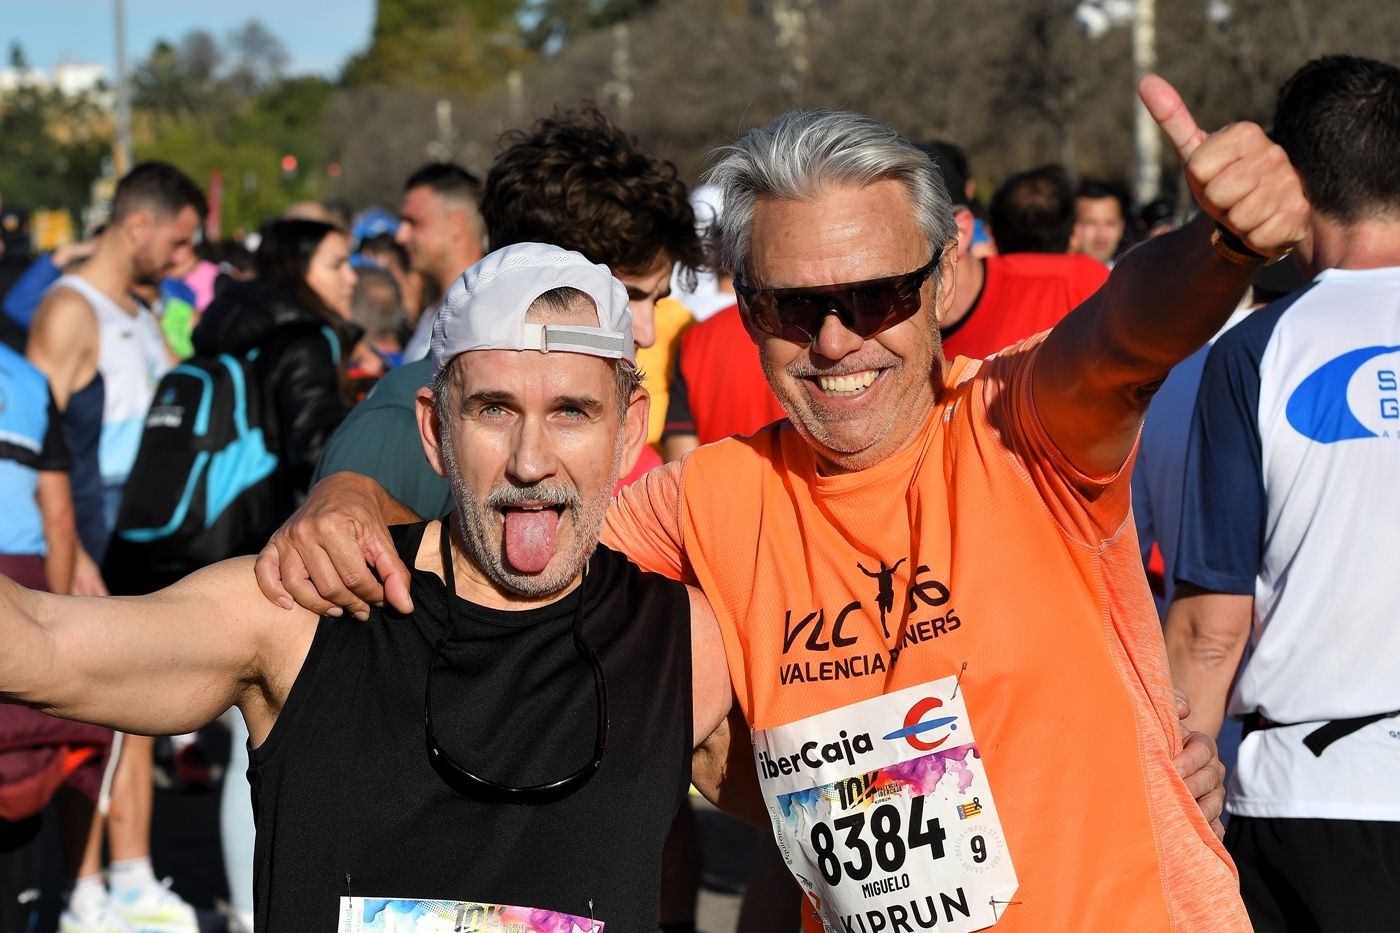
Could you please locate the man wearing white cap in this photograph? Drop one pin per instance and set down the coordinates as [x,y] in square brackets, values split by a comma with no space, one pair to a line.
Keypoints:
[511,752]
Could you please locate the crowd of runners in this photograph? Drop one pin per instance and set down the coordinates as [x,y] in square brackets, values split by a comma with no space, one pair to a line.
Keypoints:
[938,532]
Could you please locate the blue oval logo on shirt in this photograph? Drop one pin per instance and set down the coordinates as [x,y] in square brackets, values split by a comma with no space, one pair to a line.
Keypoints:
[1320,409]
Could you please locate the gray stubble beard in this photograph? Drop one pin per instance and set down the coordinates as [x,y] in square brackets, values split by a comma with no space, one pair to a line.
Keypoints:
[475,538]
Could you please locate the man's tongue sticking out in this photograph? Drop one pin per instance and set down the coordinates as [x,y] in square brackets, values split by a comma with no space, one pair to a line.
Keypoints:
[530,534]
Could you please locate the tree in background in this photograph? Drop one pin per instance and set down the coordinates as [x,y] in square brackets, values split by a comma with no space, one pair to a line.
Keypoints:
[459,46]
[52,146]
[210,107]
[1014,82]
[551,24]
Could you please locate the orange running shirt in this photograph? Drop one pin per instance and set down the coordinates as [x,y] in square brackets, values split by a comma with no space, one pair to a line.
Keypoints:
[1066,679]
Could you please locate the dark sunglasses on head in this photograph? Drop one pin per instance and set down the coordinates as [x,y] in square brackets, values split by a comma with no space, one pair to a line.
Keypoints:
[865,308]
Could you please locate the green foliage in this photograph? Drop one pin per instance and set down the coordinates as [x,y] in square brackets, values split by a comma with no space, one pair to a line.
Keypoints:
[246,145]
[552,23]
[450,45]
[226,109]
[167,86]
[51,149]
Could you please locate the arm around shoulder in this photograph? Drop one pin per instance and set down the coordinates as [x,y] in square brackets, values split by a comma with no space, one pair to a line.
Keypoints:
[1206,633]
[711,692]
[723,770]
[644,522]
[722,766]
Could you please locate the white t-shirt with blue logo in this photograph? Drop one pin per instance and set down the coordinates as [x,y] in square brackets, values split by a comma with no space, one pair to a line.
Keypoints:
[1292,496]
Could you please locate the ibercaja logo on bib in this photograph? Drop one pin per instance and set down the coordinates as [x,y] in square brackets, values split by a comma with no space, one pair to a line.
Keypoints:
[812,755]
[883,812]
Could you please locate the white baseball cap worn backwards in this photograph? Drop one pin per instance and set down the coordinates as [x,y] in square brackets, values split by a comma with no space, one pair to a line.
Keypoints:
[485,307]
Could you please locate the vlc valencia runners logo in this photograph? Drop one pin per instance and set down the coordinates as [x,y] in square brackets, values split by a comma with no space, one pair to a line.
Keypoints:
[915,725]
[885,598]
[913,623]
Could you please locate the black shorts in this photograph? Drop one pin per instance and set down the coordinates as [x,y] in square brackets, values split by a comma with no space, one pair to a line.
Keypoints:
[1318,875]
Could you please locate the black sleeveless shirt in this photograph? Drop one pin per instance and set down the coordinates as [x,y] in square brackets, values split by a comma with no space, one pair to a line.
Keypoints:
[348,804]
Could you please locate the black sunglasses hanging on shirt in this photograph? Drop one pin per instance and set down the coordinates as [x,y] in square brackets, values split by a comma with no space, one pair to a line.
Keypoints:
[470,784]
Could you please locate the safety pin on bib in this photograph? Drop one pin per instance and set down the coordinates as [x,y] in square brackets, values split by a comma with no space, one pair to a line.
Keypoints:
[958,683]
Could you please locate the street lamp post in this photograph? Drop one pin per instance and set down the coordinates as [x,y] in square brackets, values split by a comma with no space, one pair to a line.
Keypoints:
[1147,142]
[1094,18]
[122,156]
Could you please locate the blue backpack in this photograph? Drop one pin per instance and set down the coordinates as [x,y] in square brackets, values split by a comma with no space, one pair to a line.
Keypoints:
[207,483]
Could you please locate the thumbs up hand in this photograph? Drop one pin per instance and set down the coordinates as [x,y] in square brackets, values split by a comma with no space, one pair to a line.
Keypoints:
[1238,176]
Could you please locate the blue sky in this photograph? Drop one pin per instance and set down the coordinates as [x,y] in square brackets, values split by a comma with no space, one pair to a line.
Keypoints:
[318,34]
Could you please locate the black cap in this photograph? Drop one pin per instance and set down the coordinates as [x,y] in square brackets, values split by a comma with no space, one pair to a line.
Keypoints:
[952,178]
[1157,211]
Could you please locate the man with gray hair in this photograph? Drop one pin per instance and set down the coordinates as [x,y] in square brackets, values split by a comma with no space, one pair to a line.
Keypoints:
[927,765]
[510,755]
[377,306]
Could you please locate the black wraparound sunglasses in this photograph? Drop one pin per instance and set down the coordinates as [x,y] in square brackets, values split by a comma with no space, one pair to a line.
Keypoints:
[865,308]
[470,784]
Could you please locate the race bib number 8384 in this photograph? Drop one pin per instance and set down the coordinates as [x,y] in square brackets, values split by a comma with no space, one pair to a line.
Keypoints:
[883,813]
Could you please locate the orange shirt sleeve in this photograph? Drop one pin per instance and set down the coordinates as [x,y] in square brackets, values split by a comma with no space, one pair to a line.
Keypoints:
[1090,510]
[644,522]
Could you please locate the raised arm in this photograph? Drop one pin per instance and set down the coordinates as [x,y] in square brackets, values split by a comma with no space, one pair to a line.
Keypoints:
[165,663]
[24,296]
[1097,371]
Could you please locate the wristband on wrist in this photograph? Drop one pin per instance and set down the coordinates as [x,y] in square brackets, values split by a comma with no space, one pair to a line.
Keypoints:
[1234,250]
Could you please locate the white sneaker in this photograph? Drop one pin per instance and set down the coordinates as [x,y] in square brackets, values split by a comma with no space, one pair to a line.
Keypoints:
[103,919]
[157,909]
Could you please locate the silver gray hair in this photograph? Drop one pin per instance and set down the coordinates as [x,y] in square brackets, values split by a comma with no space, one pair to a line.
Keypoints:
[793,157]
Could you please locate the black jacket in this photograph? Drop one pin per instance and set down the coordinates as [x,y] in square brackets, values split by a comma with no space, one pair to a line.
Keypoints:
[299,361]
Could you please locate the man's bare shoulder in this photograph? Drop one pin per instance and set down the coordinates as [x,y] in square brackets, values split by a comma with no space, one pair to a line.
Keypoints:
[273,641]
[66,304]
[64,317]
[230,591]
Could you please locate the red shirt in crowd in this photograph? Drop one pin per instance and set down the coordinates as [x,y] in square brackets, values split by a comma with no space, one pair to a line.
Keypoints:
[718,389]
[1023,294]
[648,460]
